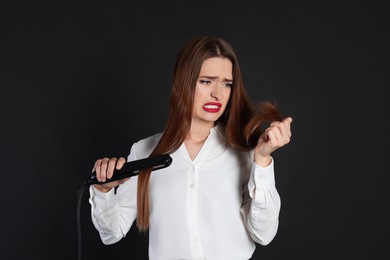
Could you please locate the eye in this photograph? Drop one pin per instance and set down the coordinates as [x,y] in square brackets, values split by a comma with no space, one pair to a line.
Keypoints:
[205,81]
[227,84]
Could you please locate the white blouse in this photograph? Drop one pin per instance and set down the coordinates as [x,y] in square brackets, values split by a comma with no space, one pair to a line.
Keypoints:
[214,207]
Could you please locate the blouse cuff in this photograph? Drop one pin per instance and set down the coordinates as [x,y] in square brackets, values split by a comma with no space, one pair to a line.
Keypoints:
[260,177]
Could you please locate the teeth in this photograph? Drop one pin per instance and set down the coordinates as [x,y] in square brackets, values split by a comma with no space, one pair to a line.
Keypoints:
[210,106]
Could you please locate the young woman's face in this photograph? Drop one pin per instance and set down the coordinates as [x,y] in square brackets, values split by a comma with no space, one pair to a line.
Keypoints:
[212,90]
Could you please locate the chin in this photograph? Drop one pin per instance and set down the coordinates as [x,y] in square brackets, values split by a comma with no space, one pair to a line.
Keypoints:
[212,119]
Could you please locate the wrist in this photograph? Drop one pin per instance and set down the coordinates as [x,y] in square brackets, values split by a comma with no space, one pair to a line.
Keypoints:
[263,161]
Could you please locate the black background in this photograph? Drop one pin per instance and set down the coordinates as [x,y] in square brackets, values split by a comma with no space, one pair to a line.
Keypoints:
[85,79]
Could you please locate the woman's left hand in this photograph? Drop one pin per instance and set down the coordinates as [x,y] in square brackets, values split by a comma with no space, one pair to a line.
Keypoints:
[275,136]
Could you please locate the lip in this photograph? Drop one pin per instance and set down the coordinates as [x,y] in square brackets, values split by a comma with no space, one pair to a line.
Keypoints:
[212,107]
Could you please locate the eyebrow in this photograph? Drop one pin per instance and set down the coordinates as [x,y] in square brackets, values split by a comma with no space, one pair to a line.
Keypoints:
[215,77]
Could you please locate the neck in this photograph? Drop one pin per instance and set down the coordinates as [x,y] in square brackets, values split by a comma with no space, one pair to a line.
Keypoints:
[199,131]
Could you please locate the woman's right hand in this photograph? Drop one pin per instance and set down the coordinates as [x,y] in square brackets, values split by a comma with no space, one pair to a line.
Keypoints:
[104,169]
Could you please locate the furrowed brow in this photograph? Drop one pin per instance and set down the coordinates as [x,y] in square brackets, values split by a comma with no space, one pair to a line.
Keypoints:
[208,77]
[216,77]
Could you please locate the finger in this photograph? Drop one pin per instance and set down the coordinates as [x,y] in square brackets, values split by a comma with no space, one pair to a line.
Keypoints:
[97,168]
[274,136]
[103,169]
[121,161]
[111,167]
[271,134]
[288,120]
[285,133]
[284,130]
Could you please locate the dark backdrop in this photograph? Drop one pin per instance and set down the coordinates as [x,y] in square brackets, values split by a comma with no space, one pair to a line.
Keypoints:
[85,79]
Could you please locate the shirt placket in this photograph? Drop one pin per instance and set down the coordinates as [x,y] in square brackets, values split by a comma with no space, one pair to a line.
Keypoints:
[192,193]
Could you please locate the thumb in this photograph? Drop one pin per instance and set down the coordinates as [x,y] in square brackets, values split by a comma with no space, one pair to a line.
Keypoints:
[288,119]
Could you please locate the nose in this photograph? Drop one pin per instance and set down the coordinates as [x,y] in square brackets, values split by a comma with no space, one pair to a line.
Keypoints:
[216,92]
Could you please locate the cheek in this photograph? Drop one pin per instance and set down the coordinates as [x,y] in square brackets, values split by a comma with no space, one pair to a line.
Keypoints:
[226,93]
[201,93]
[199,96]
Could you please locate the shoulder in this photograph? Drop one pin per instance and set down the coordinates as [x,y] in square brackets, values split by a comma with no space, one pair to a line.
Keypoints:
[144,147]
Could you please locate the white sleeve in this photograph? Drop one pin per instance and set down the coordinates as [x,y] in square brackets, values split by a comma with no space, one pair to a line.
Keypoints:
[261,205]
[113,213]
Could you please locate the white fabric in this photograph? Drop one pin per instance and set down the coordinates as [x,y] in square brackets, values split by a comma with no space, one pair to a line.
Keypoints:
[200,209]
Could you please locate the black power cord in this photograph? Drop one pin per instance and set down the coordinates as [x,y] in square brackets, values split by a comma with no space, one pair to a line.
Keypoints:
[80,193]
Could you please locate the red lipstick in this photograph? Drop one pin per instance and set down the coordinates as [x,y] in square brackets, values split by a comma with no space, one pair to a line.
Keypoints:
[212,107]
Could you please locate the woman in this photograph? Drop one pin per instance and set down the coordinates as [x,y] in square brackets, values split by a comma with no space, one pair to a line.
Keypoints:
[218,197]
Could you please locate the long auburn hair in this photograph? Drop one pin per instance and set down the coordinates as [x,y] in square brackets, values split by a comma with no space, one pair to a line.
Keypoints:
[241,118]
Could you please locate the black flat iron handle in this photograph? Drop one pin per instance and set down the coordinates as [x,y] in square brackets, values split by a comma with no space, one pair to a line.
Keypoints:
[132,168]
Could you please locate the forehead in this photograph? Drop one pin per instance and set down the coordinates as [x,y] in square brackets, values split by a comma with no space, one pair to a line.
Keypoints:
[217,66]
